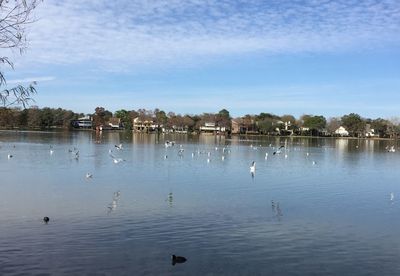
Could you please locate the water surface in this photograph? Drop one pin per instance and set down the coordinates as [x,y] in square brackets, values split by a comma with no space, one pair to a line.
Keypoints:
[335,214]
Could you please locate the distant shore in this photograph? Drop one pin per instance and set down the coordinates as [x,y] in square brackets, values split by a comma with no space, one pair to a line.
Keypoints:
[229,137]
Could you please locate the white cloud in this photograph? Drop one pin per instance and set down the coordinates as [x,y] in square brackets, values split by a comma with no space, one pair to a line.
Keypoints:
[125,35]
[30,80]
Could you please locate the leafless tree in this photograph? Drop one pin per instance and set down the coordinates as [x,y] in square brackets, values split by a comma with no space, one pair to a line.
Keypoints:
[15,15]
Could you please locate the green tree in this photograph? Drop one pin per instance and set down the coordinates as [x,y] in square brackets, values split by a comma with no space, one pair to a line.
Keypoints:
[125,118]
[223,119]
[354,124]
[315,123]
[381,126]
[267,125]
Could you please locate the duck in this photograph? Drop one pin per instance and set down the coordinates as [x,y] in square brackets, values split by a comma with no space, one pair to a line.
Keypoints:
[46,219]
[178,259]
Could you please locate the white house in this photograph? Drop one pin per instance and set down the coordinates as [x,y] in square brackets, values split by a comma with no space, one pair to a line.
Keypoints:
[341,131]
[211,127]
[144,126]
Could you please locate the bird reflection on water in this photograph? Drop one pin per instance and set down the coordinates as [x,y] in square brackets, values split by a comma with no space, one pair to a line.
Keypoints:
[113,205]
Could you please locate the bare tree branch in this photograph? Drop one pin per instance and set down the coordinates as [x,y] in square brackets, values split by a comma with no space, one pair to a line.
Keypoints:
[14,16]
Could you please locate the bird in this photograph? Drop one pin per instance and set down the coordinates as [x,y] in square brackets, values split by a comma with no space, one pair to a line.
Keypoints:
[391,196]
[165,156]
[253,167]
[208,160]
[314,163]
[89,175]
[46,219]
[266,155]
[170,198]
[178,259]
[9,156]
[51,152]
[117,160]
[222,158]
[118,147]
[308,154]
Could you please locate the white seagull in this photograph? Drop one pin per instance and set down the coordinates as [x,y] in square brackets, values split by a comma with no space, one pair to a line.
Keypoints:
[253,167]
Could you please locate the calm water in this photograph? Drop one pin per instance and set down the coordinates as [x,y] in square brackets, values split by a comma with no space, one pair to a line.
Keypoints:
[335,217]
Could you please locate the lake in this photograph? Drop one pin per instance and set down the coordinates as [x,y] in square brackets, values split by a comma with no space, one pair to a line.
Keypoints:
[319,207]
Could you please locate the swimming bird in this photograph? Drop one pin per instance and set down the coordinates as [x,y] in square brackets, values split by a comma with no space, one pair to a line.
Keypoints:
[170,198]
[118,147]
[89,175]
[165,156]
[314,163]
[391,196]
[208,160]
[308,154]
[222,158]
[9,156]
[51,152]
[266,155]
[392,149]
[178,259]
[46,219]
[253,167]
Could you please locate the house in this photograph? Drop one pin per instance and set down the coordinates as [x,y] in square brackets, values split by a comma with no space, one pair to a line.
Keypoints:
[211,127]
[237,126]
[341,131]
[243,126]
[114,123]
[370,132]
[83,122]
[146,125]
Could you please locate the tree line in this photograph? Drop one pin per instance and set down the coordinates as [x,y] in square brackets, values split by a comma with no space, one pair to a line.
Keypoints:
[263,123]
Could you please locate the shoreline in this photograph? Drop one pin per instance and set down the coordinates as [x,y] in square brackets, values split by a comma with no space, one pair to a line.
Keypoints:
[228,137]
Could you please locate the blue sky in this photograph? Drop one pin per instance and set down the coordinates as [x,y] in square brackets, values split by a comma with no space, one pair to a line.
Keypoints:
[192,56]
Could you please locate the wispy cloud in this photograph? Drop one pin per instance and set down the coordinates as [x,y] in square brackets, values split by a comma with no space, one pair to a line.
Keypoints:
[30,80]
[124,35]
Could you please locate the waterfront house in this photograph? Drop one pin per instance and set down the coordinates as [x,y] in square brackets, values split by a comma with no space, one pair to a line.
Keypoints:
[370,132]
[83,122]
[211,127]
[341,131]
[147,125]
[114,123]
